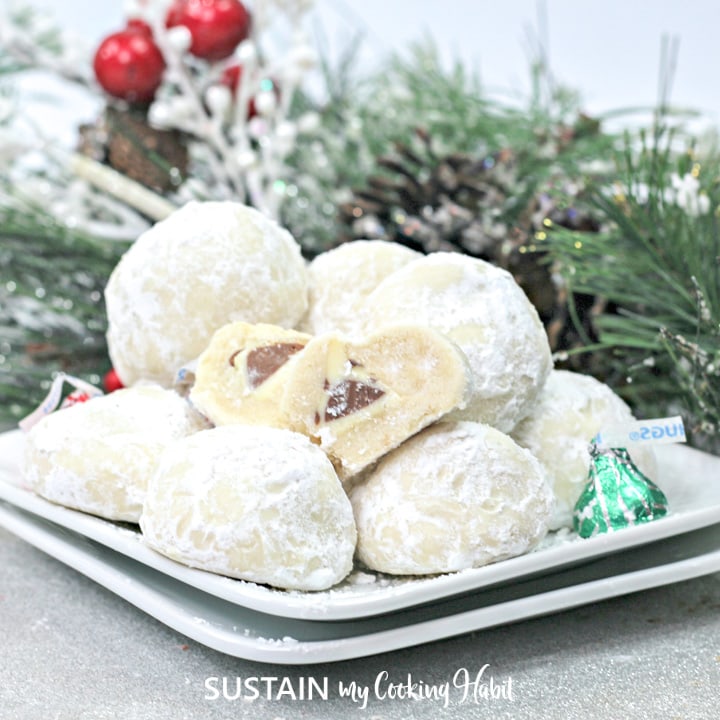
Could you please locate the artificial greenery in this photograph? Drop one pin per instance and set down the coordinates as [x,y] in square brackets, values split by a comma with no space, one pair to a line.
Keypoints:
[365,120]
[51,302]
[657,264]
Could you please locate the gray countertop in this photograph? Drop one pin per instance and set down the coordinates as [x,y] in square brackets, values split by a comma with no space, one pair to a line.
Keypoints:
[71,650]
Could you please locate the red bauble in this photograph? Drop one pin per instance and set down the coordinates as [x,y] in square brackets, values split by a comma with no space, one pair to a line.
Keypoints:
[111,381]
[217,27]
[129,65]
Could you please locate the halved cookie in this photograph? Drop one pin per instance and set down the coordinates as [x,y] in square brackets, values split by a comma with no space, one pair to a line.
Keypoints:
[358,399]
[241,375]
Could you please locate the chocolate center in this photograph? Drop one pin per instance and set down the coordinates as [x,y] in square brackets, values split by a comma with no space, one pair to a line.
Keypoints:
[262,362]
[349,396]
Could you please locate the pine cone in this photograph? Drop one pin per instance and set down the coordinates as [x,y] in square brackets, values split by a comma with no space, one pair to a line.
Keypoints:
[430,203]
[463,203]
[123,139]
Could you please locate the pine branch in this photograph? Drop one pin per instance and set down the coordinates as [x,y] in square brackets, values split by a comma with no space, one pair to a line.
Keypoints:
[52,313]
[369,119]
[658,266]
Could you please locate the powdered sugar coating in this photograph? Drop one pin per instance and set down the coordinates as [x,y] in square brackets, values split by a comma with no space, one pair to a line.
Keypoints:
[207,264]
[485,312]
[255,503]
[340,279]
[97,456]
[570,411]
[455,496]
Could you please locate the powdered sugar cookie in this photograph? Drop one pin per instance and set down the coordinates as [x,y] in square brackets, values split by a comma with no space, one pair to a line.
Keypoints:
[341,278]
[455,496]
[360,398]
[485,312]
[255,503]
[207,264]
[241,376]
[97,456]
[570,412]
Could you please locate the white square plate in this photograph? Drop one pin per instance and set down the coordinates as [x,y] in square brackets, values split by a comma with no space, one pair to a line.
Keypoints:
[690,479]
[241,632]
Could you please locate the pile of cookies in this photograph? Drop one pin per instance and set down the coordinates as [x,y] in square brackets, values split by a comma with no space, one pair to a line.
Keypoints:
[375,405]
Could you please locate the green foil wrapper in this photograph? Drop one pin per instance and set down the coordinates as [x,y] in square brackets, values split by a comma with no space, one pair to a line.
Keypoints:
[617,495]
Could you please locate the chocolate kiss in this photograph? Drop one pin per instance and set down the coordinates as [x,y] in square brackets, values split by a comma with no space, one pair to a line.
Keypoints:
[349,396]
[617,495]
[262,362]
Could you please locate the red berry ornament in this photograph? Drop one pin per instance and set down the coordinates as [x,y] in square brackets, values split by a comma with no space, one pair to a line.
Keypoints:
[111,381]
[217,27]
[129,65]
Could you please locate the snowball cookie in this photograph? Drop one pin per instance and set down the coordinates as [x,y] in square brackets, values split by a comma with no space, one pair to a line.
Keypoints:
[570,412]
[482,309]
[455,496]
[254,503]
[358,399]
[207,264]
[97,456]
[341,278]
[241,376]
